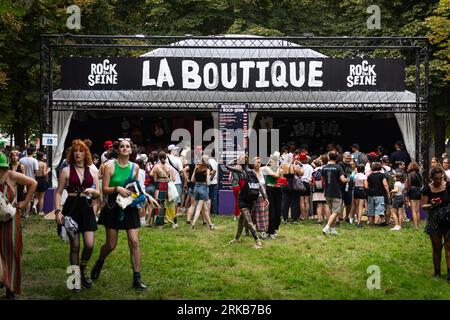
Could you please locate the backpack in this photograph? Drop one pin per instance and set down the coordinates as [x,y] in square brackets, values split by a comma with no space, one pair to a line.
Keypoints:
[390,177]
[318,183]
[251,187]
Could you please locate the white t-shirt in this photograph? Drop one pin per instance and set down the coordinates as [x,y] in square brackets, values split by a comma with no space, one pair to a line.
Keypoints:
[447,173]
[359,179]
[141,178]
[367,170]
[307,172]
[400,186]
[31,165]
[213,164]
[177,166]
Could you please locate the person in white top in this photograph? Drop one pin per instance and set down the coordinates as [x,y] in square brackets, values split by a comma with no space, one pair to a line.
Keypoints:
[31,169]
[359,193]
[446,167]
[398,200]
[260,210]
[306,179]
[213,187]
[176,164]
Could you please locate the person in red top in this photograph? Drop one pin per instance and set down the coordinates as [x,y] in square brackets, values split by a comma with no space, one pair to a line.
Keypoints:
[81,183]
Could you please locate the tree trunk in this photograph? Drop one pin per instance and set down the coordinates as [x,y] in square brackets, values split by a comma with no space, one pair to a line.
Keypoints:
[19,135]
[439,135]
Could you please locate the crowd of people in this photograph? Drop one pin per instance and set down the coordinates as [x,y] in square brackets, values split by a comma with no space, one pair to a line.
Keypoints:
[125,189]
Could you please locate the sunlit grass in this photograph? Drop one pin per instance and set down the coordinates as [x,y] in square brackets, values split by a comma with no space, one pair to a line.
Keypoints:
[185,264]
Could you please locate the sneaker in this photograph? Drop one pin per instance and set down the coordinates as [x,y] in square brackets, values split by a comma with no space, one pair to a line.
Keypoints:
[326,230]
[33,210]
[212,227]
[350,220]
[234,241]
[263,236]
[295,222]
[272,236]
[396,228]
[285,221]
[175,226]
[258,244]
[334,232]
[42,213]
[359,225]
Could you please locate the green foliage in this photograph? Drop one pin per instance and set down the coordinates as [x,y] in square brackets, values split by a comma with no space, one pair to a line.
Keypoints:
[22,23]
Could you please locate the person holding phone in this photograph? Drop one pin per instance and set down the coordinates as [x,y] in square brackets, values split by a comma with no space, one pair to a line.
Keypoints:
[436,195]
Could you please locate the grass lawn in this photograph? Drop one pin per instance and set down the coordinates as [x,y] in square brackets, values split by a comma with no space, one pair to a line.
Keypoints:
[184,264]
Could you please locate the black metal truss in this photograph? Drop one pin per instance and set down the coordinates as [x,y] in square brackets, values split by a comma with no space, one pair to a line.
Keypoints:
[413,48]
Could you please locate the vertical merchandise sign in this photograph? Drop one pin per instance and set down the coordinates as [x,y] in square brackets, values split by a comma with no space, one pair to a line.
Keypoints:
[233,141]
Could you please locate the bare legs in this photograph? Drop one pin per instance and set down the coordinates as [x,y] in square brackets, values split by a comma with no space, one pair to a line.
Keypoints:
[415,209]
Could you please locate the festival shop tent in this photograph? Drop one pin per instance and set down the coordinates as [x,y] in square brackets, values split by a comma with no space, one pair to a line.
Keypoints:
[227,48]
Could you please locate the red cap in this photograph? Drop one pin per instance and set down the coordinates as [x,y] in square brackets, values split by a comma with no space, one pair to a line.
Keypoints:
[108,144]
[302,156]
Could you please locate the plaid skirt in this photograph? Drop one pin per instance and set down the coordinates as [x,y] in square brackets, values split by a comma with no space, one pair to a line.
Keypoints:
[161,192]
[260,215]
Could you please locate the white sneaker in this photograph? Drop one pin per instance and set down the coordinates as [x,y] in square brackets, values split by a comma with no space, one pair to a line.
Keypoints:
[174,226]
[212,227]
[42,213]
[333,231]
[396,228]
[326,230]
[351,220]
[272,236]
[263,236]
[33,210]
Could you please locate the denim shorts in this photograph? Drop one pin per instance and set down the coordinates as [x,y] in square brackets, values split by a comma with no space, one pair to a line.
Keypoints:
[376,206]
[397,202]
[180,190]
[201,192]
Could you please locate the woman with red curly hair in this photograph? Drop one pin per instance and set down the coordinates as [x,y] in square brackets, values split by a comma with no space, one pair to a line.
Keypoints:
[81,183]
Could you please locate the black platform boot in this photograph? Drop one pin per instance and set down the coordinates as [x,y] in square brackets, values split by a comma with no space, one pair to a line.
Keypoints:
[85,280]
[95,273]
[437,273]
[137,282]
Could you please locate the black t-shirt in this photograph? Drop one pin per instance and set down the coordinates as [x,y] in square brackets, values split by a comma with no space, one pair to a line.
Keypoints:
[347,168]
[400,155]
[376,186]
[444,195]
[415,180]
[331,174]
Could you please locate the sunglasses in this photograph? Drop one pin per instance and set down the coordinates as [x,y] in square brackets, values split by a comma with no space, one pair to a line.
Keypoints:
[124,139]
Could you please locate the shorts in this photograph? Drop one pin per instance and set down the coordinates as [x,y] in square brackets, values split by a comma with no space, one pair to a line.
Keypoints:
[201,192]
[397,202]
[307,191]
[359,193]
[414,193]
[179,190]
[335,204]
[376,206]
[150,189]
[347,197]
[191,191]
[42,184]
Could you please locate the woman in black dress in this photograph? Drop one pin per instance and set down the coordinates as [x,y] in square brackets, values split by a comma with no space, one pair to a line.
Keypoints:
[436,196]
[81,183]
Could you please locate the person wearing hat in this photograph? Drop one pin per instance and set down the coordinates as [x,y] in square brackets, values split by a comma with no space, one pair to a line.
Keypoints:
[108,145]
[10,231]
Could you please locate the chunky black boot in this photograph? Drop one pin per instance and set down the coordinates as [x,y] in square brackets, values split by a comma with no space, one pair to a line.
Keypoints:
[95,273]
[137,282]
[437,273]
[85,280]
